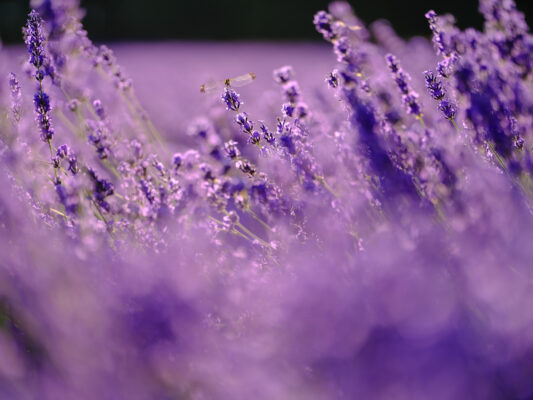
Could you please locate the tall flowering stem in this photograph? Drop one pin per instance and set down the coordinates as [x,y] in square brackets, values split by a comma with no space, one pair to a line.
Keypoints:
[35,41]
[402,78]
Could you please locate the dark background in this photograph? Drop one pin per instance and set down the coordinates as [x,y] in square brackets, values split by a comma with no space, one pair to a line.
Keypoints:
[120,20]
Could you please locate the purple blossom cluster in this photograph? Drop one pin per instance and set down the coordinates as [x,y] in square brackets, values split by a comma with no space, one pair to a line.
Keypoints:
[364,236]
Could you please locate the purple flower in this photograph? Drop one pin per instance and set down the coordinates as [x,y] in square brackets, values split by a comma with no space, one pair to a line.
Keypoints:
[102,189]
[16,97]
[291,90]
[409,97]
[323,24]
[333,79]
[231,98]
[434,85]
[245,123]
[255,137]
[288,109]
[177,160]
[448,109]
[99,109]
[63,151]
[42,109]
[283,74]
[231,149]
[267,134]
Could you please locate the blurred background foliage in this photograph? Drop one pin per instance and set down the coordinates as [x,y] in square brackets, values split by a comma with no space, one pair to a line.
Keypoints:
[124,20]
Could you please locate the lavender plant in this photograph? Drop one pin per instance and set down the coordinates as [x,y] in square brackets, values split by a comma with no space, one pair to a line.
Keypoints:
[363,236]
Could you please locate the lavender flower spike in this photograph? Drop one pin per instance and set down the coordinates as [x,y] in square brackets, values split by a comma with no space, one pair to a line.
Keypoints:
[34,39]
[231,98]
[409,98]
[16,97]
[437,92]
[434,85]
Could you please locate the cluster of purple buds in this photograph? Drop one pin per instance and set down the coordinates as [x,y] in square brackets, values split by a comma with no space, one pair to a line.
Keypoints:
[245,123]
[446,66]
[324,25]
[286,137]
[42,109]
[16,97]
[247,127]
[68,200]
[35,41]
[294,108]
[102,189]
[98,138]
[64,152]
[231,99]
[443,37]
[409,96]
[343,49]
[232,150]
[283,75]
[267,134]
[246,166]
[177,160]
[437,92]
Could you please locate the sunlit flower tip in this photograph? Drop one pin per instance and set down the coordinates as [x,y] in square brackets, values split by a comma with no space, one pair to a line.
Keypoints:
[333,79]
[323,24]
[283,74]
[392,63]
[231,149]
[431,16]
[448,109]
[434,85]
[34,39]
[73,105]
[231,99]
[242,120]
[288,109]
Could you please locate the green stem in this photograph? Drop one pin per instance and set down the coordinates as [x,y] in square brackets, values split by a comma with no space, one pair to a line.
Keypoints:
[455,125]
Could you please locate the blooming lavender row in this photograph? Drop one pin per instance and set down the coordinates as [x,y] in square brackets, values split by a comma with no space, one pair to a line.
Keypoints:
[363,237]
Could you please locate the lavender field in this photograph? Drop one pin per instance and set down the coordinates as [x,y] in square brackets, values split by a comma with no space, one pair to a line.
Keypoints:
[345,220]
